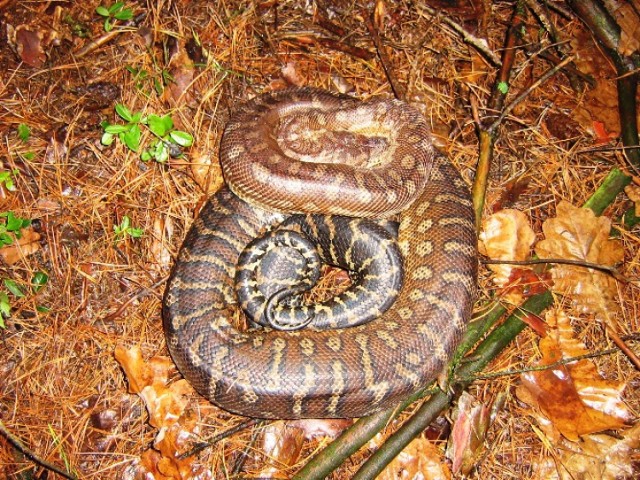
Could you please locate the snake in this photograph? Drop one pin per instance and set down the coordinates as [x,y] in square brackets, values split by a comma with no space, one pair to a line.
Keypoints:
[314,154]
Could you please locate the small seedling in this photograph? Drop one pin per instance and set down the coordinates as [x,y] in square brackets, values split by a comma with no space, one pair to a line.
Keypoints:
[6,179]
[5,301]
[112,13]
[168,142]
[39,281]
[10,226]
[126,230]
[24,132]
[5,308]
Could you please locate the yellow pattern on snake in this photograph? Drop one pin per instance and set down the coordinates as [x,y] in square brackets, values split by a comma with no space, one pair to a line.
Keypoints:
[290,141]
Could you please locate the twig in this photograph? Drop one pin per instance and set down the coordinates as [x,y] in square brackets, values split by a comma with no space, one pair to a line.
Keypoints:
[398,91]
[488,349]
[479,44]
[546,76]
[613,271]
[221,436]
[27,452]
[559,363]
[91,46]
[139,294]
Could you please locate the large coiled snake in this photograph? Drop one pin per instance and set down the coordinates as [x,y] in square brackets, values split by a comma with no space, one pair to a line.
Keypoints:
[313,373]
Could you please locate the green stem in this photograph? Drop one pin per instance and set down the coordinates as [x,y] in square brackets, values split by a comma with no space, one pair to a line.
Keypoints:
[490,347]
[606,193]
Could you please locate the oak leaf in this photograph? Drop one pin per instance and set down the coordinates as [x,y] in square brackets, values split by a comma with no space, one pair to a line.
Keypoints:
[506,235]
[577,234]
[596,457]
[573,396]
[466,443]
[420,460]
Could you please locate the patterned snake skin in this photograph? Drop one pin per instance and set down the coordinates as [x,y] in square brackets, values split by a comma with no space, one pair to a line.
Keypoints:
[274,162]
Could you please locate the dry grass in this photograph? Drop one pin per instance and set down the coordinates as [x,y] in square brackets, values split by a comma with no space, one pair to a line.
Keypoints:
[58,371]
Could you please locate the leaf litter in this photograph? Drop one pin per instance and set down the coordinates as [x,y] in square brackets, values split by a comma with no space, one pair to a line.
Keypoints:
[60,371]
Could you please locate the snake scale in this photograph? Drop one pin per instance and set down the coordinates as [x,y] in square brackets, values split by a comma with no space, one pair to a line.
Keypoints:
[309,151]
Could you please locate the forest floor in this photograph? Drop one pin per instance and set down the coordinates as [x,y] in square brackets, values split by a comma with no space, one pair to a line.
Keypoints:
[100,228]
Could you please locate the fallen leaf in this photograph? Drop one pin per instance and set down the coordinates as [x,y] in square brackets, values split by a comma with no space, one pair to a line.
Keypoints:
[162,231]
[290,73]
[166,405]
[633,192]
[420,460]
[207,173]
[596,457]
[28,44]
[626,17]
[466,443]
[27,244]
[574,396]
[506,235]
[577,234]
[282,444]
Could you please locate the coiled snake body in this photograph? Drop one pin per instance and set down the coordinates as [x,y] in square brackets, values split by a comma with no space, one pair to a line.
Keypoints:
[311,373]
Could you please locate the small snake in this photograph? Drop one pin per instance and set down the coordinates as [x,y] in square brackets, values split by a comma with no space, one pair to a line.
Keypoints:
[309,151]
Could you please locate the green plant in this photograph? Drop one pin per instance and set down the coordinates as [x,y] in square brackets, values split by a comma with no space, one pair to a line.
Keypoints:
[168,141]
[112,13]
[10,227]
[6,179]
[24,132]
[5,308]
[5,301]
[125,229]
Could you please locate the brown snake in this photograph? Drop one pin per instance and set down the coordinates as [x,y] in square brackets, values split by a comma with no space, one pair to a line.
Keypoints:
[308,373]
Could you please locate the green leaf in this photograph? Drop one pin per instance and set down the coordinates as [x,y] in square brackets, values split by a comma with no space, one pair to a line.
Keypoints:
[115,129]
[126,14]
[43,309]
[157,84]
[29,155]
[181,138]
[24,132]
[5,239]
[136,232]
[102,11]
[13,287]
[107,25]
[116,7]
[5,307]
[39,280]
[107,138]
[145,156]
[124,112]
[503,87]
[162,153]
[16,223]
[160,126]
[132,138]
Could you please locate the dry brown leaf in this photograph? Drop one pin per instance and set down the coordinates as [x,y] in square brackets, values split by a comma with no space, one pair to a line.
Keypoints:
[207,173]
[420,460]
[600,104]
[282,444]
[26,245]
[466,442]
[633,192]
[596,457]
[577,234]
[506,235]
[162,230]
[626,17]
[574,397]
[166,404]
[28,44]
